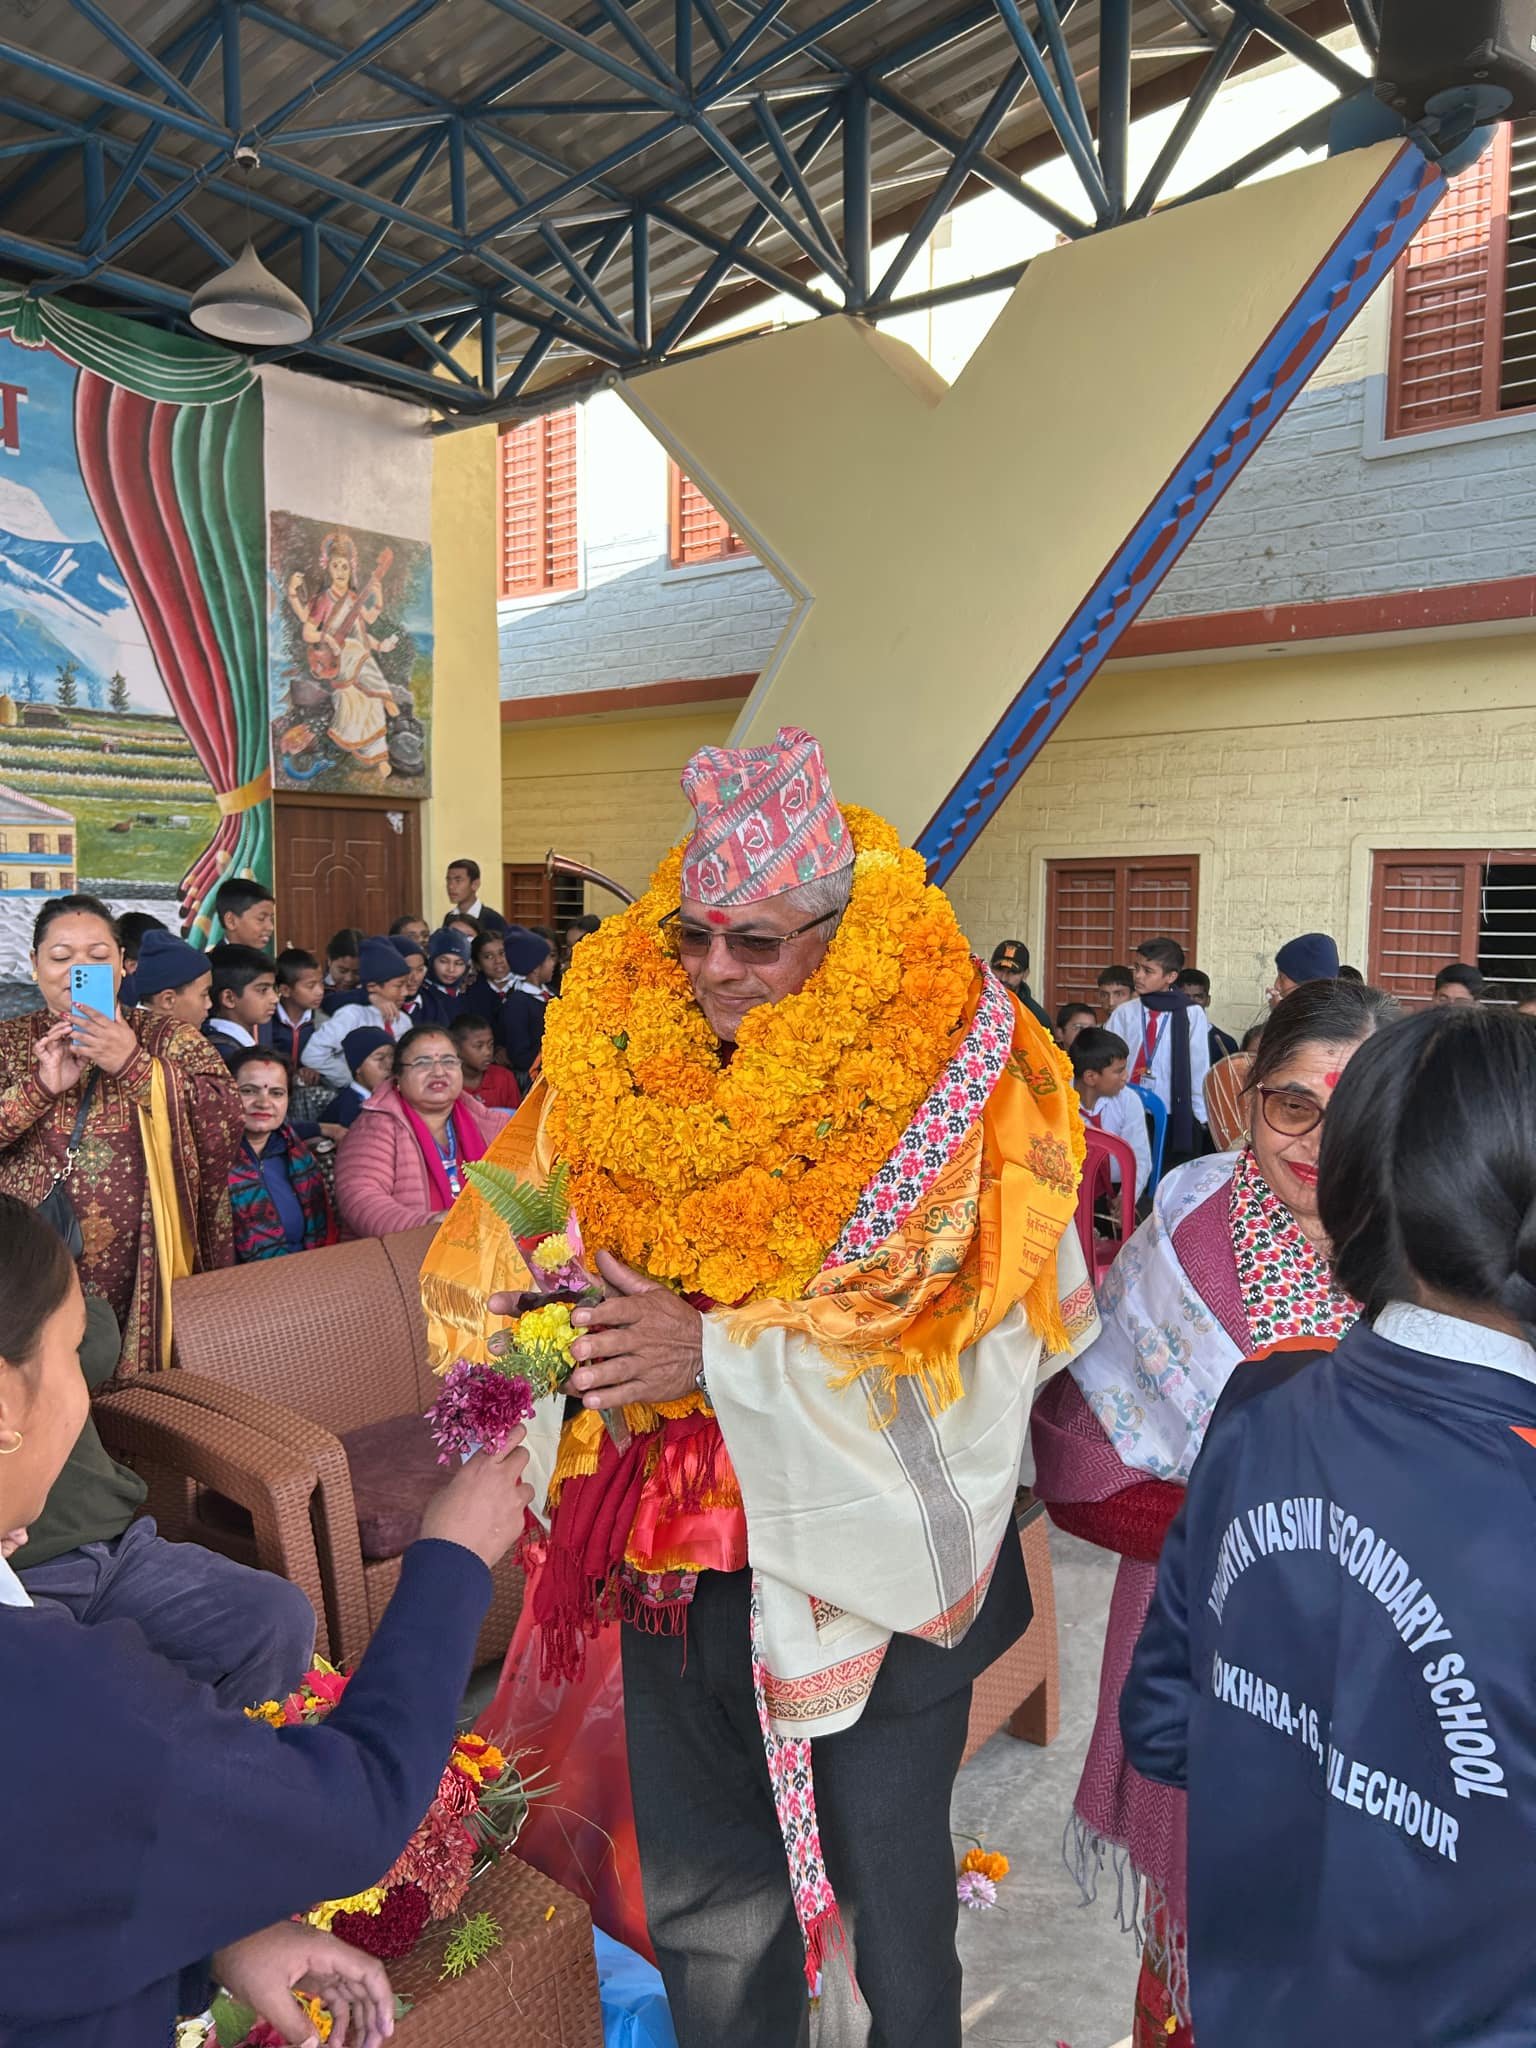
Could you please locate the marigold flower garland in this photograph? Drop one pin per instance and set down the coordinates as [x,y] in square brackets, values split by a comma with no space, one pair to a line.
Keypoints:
[734,1179]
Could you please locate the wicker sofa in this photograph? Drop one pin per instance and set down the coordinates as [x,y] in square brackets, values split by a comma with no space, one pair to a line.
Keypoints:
[289,1435]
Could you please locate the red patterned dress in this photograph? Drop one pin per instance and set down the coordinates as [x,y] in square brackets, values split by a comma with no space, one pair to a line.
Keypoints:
[110,1183]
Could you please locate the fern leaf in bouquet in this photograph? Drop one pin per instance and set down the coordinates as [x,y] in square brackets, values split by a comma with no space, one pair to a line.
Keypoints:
[524,1208]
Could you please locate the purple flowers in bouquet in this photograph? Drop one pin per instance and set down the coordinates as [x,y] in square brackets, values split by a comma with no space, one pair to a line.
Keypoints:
[477,1410]
[481,1405]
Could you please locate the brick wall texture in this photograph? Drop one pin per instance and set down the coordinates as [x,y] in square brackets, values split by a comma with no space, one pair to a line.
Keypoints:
[1282,777]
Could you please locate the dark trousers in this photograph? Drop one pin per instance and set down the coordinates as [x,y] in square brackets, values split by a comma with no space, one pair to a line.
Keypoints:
[247,1634]
[717,1893]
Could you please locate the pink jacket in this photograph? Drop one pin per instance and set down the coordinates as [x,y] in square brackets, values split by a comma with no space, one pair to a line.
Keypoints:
[381,1178]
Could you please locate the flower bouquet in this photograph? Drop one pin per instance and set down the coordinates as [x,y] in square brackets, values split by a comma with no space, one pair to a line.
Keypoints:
[481,1405]
[478,1813]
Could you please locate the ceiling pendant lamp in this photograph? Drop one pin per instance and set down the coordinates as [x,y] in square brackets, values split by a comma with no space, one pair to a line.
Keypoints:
[244,303]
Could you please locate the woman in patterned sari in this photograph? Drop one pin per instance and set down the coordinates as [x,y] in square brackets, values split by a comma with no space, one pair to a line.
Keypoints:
[150,1186]
[1232,1262]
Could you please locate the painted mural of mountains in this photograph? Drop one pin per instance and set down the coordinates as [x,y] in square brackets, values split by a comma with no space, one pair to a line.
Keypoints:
[27,647]
[56,600]
[78,577]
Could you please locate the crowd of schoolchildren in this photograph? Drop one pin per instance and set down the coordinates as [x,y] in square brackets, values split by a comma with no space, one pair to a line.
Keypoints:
[1148,1063]
[368,1076]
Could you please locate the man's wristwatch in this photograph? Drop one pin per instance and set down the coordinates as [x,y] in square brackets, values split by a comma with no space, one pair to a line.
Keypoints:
[701,1383]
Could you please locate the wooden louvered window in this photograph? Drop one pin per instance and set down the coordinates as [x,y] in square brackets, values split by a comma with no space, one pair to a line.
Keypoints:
[1464,297]
[1428,909]
[1097,912]
[540,541]
[696,531]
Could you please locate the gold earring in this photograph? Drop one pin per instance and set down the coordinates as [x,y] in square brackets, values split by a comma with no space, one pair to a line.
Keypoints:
[10,1450]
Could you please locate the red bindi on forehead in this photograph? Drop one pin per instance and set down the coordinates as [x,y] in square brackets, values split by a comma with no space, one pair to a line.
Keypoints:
[1335,1077]
[716,916]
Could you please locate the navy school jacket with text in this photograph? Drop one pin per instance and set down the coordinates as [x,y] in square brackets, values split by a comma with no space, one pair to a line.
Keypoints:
[1340,1667]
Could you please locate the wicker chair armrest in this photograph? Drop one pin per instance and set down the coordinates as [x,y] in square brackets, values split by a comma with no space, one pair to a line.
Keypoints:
[272,1482]
[255,1411]
[338,1549]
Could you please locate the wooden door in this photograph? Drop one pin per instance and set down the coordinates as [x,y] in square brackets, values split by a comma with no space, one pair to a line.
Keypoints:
[344,863]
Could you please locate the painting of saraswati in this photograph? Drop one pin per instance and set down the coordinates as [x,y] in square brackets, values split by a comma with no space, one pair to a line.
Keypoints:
[351,658]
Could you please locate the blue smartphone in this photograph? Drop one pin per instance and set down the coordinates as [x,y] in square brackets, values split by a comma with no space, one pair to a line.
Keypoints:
[90,985]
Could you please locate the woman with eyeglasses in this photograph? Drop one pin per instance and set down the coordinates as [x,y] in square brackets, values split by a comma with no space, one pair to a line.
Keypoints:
[402,1163]
[1233,1261]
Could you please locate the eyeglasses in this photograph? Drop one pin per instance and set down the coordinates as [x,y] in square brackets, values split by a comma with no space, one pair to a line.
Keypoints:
[443,1063]
[1289,1114]
[748,949]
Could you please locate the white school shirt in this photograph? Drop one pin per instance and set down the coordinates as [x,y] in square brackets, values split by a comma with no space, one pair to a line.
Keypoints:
[12,1592]
[1130,1023]
[1441,1336]
[323,1054]
[1124,1116]
[226,1027]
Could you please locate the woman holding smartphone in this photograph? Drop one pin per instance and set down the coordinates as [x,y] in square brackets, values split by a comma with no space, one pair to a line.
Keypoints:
[136,1112]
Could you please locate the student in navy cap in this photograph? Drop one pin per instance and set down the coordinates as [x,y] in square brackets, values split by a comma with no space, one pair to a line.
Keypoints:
[370,1055]
[172,979]
[531,960]
[448,957]
[421,1004]
[385,980]
[1312,957]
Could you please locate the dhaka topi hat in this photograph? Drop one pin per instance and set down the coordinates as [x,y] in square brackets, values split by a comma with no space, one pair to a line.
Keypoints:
[765,821]
[1312,957]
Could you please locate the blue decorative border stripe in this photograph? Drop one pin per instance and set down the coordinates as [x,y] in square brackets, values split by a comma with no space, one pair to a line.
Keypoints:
[1358,261]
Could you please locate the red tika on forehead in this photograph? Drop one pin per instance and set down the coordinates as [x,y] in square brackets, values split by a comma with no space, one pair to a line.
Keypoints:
[1334,1079]
[716,916]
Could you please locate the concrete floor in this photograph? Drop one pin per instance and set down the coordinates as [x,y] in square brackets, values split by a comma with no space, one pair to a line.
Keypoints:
[1043,1968]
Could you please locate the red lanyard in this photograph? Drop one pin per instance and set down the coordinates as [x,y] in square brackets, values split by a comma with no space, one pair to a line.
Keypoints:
[1151,1036]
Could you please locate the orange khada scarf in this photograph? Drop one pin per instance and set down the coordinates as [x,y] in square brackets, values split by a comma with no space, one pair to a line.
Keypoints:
[982,1239]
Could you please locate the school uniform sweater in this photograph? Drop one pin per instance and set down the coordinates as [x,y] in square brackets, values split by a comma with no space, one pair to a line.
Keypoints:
[522,1027]
[148,1826]
[1337,1666]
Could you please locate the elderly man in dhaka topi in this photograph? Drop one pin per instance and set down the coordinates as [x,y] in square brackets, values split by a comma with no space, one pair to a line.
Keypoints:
[827,1168]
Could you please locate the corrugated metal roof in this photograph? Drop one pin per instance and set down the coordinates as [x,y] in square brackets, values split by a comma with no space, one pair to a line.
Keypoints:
[512,129]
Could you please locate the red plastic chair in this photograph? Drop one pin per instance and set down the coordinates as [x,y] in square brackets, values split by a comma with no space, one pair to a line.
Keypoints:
[1098,1185]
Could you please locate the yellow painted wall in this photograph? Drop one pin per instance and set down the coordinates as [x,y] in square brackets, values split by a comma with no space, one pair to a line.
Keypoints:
[1284,775]
[605,793]
[463,816]
[945,536]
